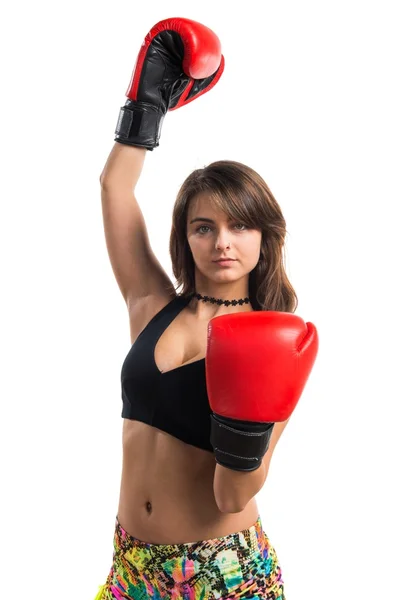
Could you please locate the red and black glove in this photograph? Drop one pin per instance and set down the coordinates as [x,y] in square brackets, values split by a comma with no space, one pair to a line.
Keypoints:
[257,364]
[179,61]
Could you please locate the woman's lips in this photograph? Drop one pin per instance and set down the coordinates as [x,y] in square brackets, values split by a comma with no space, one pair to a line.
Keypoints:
[225,263]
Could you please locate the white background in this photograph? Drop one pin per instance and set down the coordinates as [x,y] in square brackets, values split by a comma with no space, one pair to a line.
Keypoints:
[309,98]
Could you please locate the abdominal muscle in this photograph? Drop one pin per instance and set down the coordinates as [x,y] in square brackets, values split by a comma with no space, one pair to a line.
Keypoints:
[167,495]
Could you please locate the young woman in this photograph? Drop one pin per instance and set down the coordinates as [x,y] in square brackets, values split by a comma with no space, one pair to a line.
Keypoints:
[188,525]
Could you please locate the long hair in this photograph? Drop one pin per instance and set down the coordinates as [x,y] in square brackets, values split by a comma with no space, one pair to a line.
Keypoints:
[242,194]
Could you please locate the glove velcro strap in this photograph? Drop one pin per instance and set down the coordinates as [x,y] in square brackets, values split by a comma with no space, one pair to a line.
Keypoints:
[139,124]
[239,449]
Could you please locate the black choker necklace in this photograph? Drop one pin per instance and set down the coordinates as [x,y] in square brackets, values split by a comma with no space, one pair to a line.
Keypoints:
[220,301]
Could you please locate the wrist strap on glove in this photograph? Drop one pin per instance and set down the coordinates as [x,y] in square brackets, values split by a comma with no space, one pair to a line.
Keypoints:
[239,445]
[139,124]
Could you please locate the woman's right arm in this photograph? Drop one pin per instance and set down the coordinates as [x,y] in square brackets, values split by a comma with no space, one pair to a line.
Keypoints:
[138,272]
[172,54]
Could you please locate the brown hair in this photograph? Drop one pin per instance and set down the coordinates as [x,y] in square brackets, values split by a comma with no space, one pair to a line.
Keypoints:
[242,194]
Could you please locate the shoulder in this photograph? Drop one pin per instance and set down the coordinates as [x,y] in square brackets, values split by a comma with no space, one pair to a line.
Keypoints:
[143,309]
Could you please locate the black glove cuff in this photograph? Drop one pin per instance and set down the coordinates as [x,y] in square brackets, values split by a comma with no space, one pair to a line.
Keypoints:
[239,445]
[139,124]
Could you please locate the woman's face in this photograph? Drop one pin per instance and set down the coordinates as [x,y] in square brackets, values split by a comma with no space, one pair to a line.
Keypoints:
[212,236]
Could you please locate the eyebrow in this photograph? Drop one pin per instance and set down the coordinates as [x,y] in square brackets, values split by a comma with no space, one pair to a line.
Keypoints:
[205,219]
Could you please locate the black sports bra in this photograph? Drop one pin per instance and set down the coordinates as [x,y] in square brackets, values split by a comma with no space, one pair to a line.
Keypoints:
[175,401]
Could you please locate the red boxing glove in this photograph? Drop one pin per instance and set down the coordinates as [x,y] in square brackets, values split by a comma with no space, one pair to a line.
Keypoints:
[179,61]
[257,365]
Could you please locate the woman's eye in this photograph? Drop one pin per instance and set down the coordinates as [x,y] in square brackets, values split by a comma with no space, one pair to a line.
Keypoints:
[202,227]
[206,227]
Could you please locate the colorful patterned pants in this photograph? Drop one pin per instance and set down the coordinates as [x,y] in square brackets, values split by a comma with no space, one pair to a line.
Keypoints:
[240,565]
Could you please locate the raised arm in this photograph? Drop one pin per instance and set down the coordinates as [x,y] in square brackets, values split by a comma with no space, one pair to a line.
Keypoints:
[136,268]
[179,60]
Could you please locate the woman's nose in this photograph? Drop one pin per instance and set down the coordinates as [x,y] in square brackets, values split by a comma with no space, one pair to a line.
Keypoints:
[222,242]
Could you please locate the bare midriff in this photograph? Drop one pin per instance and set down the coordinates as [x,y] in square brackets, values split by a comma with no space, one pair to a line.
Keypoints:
[166,494]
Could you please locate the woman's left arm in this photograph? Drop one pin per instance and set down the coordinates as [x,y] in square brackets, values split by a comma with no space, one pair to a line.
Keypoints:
[233,490]
[257,364]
